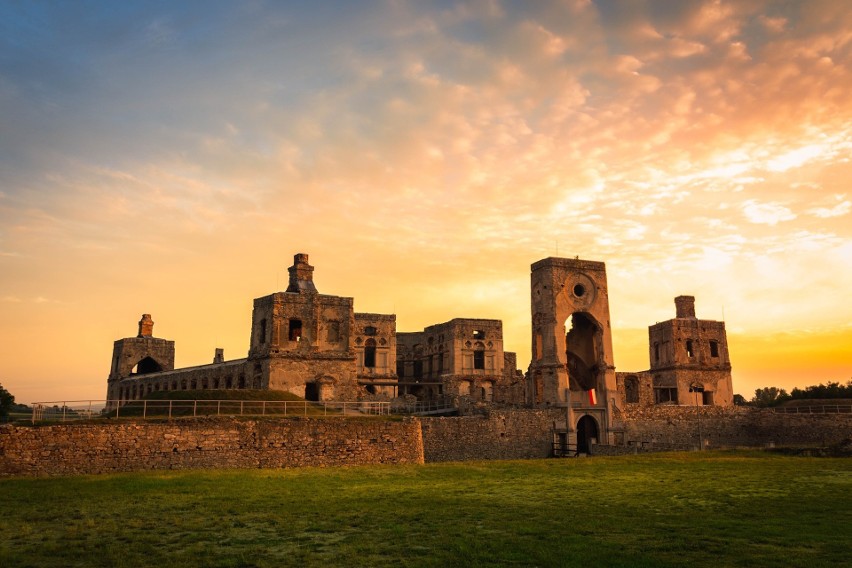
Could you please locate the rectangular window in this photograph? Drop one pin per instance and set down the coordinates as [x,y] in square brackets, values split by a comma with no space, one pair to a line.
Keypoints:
[663,395]
[418,369]
[400,369]
[479,359]
[295,333]
[689,352]
[714,348]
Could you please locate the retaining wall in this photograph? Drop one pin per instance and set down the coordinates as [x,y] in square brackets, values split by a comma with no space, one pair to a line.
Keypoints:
[207,443]
[501,435]
[736,426]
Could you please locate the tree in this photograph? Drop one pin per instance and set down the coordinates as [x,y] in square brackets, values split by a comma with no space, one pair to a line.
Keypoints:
[6,402]
[769,396]
[739,400]
[830,390]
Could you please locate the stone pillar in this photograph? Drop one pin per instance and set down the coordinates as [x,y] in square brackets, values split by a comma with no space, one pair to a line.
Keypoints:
[146,326]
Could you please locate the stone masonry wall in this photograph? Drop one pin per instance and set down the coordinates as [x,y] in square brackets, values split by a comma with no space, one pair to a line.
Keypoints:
[502,435]
[206,443]
[735,426]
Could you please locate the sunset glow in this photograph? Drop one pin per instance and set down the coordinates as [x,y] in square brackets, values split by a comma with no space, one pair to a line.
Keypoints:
[170,158]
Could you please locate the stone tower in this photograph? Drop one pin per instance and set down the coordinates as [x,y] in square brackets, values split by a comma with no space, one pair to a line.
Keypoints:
[572,360]
[300,339]
[139,355]
[690,361]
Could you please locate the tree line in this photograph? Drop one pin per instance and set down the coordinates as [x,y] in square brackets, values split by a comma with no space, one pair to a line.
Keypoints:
[774,396]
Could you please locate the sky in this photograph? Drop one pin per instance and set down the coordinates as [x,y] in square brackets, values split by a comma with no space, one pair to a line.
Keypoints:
[171,157]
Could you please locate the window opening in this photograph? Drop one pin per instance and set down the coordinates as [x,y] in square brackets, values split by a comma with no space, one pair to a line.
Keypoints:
[370,353]
[262,339]
[370,330]
[689,351]
[479,359]
[295,330]
[478,334]
[663,395]
[714,348]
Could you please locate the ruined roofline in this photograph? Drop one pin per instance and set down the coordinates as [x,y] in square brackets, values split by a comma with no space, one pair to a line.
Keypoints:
[454,321]
[281,296]
[570,263]
[232,363]
[370,315]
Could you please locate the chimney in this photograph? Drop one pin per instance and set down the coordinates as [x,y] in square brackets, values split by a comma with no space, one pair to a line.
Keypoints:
[301,275]
[219,357]
[685,307]
[146,326]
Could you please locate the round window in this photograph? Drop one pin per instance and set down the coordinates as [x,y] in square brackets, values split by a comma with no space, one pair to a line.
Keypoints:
[579,290]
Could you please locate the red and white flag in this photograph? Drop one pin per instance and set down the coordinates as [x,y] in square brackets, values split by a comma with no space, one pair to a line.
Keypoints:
[593,397]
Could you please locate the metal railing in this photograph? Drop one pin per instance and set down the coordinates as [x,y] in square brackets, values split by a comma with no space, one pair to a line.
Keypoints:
[422,406]
[64,411]
[816,409]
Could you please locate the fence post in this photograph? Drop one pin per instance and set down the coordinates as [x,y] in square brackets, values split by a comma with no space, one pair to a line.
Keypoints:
[144,409]
[263,409]
[241,408]
[64,408]
[218,407]
[194,407]
[170,409]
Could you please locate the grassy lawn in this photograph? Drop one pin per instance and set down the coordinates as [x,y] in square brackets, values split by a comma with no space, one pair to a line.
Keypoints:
[712,509]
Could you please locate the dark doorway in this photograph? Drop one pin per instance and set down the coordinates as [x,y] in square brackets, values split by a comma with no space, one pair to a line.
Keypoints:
[587,429]
[312,392]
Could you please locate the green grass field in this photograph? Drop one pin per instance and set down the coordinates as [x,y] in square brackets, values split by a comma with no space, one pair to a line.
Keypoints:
[712,509]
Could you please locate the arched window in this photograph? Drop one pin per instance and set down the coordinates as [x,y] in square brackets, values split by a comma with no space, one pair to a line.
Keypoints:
[370,353]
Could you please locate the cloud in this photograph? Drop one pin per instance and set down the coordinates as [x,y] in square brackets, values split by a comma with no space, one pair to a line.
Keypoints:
[766,213]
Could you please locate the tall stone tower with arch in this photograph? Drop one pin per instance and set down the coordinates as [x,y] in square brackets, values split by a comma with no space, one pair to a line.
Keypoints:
[572,360]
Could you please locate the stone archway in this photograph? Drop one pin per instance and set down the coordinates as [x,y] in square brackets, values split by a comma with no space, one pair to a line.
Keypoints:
[587,430]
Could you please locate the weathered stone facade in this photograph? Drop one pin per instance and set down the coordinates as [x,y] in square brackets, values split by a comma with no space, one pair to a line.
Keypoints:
[316,346]
[572,359]
[690,363]
[310,344]
[207,443]
[463,357]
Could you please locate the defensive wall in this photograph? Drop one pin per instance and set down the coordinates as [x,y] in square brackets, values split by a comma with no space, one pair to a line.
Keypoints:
[207,443]
[297,442]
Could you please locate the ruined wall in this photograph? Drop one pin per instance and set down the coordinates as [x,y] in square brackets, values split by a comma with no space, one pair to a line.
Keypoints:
[502,435]
[207,443]
[236,374]
[736,426]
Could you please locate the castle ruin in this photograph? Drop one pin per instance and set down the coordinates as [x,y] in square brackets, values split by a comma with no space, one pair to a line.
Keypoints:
[317,347]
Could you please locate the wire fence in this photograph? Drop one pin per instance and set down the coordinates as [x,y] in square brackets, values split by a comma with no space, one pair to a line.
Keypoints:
[816,409]
[74,410]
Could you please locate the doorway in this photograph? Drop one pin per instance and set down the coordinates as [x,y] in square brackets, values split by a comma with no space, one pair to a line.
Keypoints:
[587,430]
